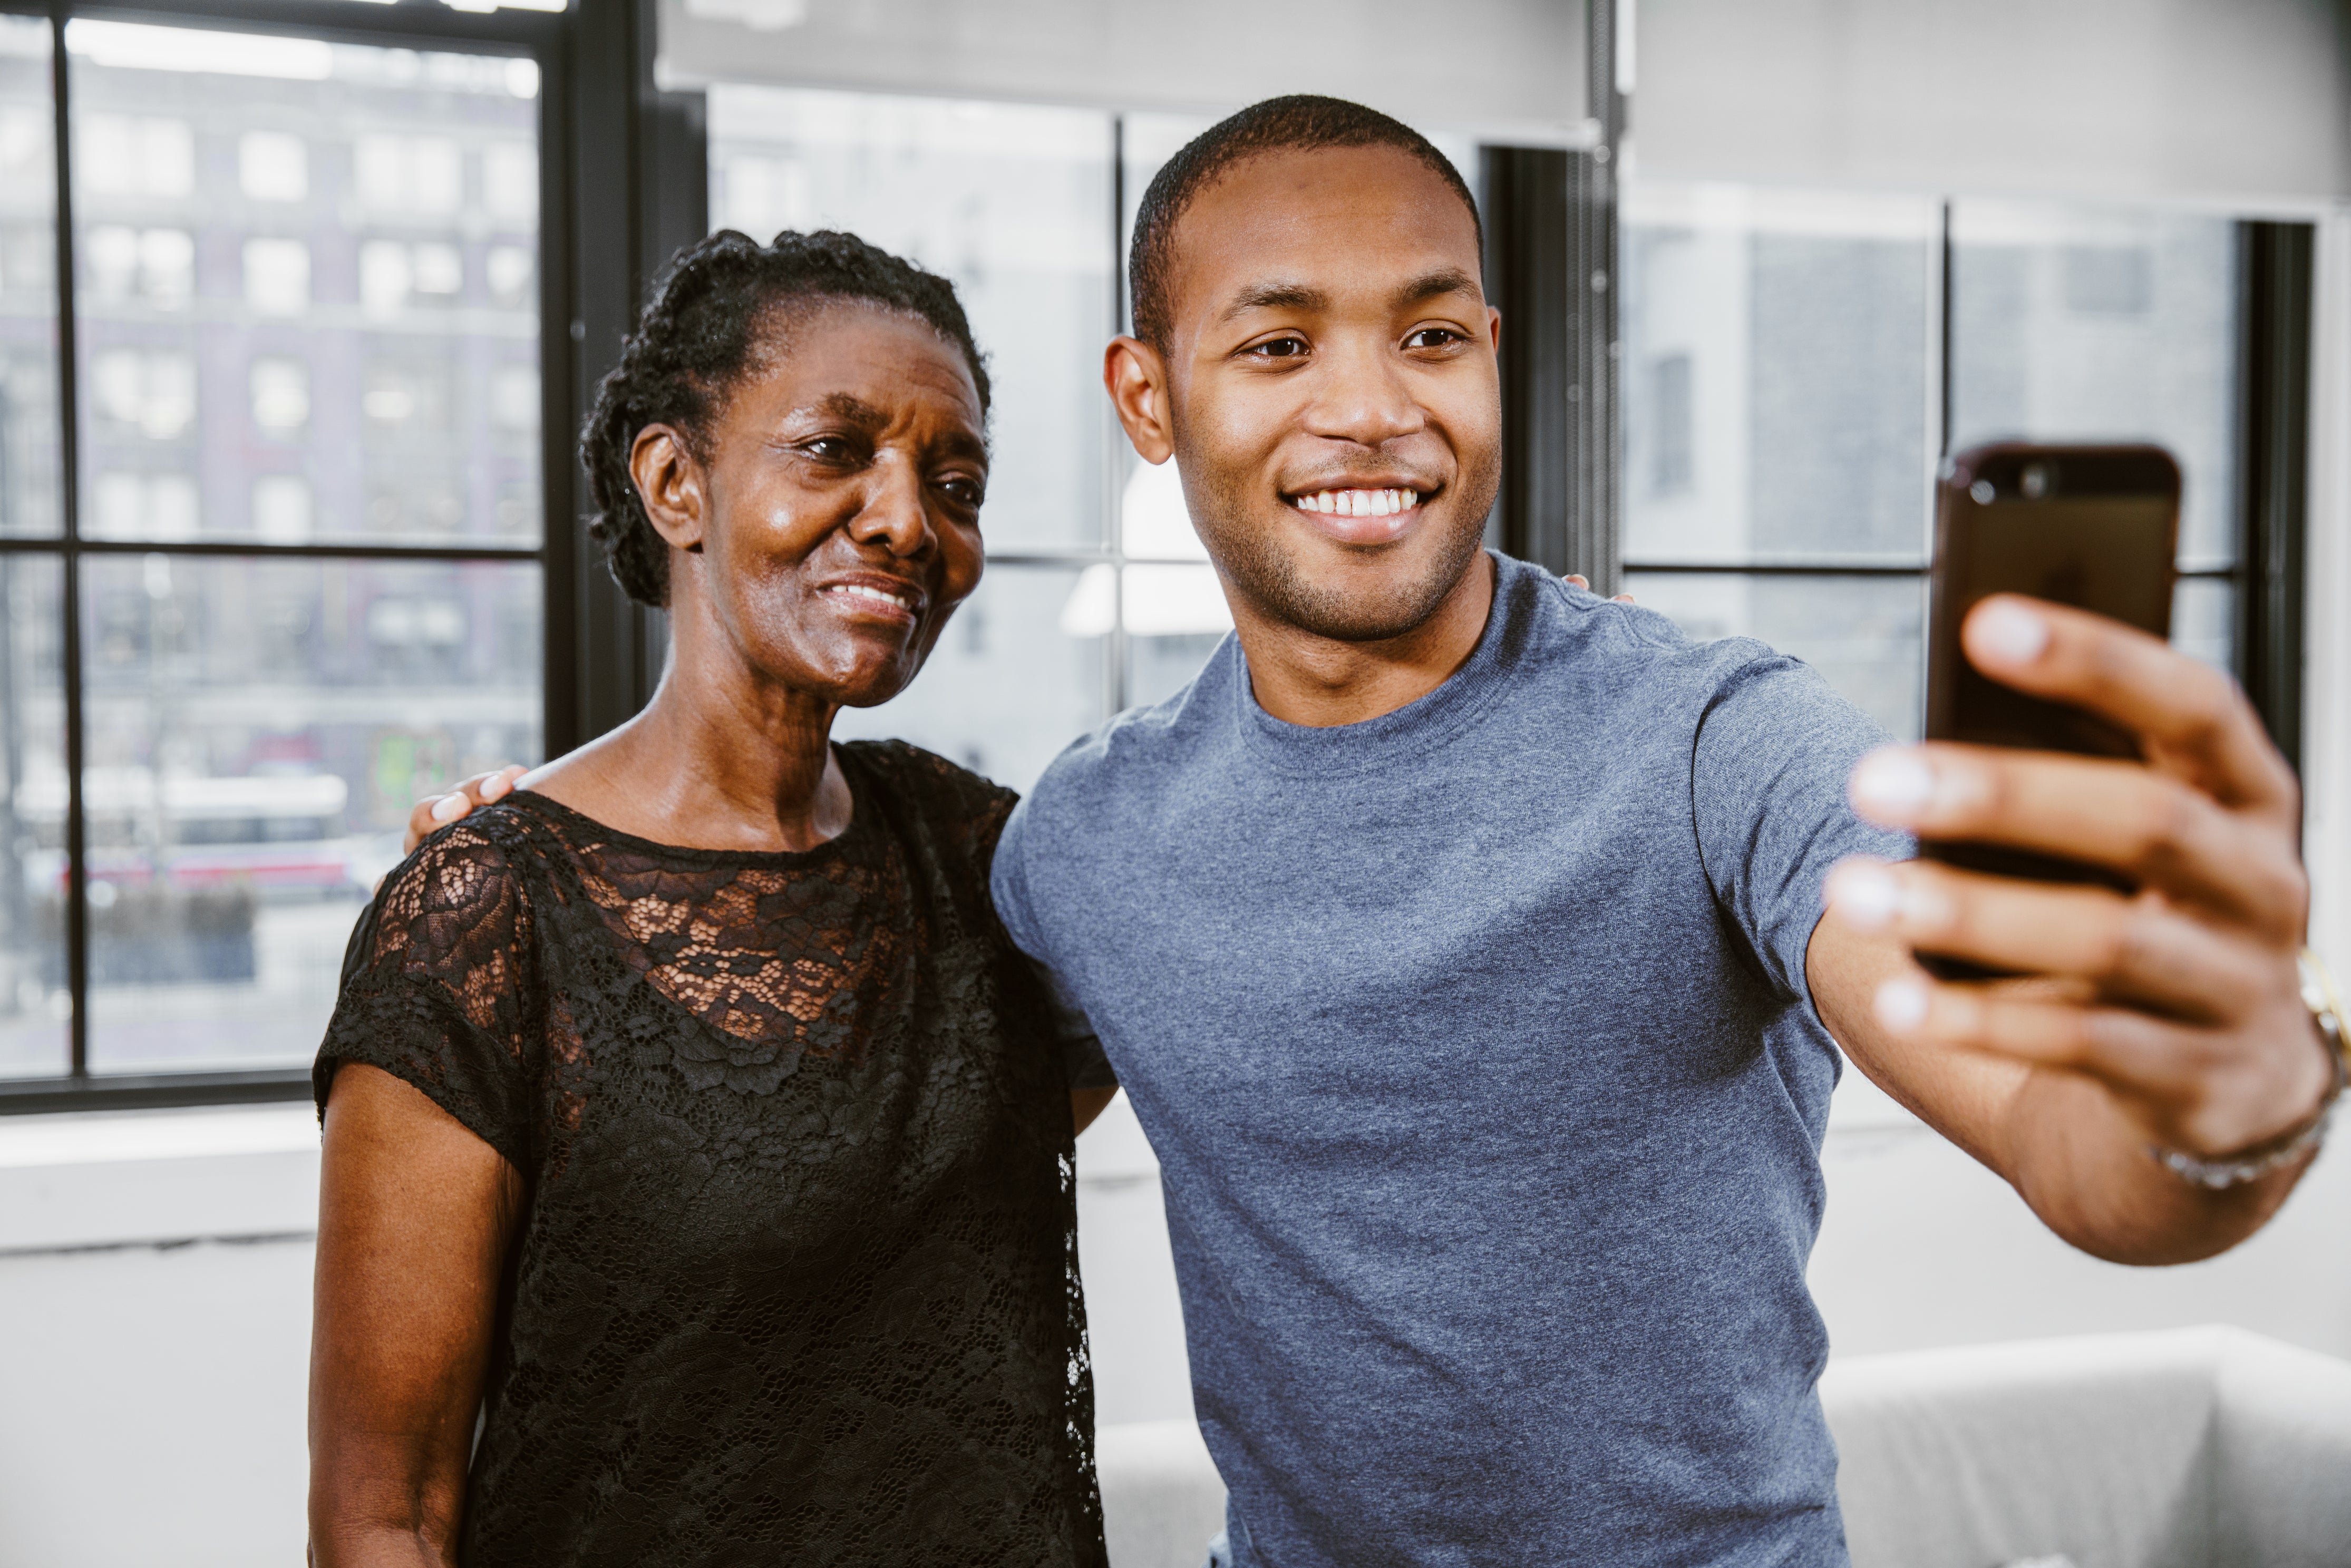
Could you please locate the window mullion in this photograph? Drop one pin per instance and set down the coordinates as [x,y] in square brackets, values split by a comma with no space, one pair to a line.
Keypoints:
[76,908]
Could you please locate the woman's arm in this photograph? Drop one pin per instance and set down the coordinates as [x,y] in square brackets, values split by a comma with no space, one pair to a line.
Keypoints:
[1085,1104]
[415,1214]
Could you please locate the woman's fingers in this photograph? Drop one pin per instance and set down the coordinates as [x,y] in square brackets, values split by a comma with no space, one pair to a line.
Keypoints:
[435,811]
[2191,718]
[2143,949]
[2157,831]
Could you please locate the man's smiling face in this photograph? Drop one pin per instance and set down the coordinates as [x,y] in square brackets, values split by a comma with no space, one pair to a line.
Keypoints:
[1332,387]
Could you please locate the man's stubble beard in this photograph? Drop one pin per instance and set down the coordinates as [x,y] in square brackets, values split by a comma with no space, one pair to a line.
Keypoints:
[1260,571]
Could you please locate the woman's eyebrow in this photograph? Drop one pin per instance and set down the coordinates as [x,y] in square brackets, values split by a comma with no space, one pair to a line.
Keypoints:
[964,443]
[855,410]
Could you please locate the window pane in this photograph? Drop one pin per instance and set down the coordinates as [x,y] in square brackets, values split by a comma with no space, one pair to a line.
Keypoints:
[1017,676]
[35,1005]
[2074,324]
[2204,619]
[1775,375]
[309,288]
[257,731]
[1012,202]
[28,254]
[1861,632]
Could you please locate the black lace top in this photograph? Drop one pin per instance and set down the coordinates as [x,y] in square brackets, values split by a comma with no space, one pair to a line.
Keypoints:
[797,1280]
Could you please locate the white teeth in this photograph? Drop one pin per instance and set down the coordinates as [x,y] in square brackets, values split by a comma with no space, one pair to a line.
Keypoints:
[1359,503]
[875,594]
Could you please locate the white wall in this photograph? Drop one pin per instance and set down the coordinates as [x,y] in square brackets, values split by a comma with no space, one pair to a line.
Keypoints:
[155,1276]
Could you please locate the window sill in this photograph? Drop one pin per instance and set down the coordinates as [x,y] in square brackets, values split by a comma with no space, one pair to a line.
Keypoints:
[81,1181]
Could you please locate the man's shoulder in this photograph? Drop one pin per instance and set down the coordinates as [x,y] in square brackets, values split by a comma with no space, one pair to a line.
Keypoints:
[1141,751]
[1632,648]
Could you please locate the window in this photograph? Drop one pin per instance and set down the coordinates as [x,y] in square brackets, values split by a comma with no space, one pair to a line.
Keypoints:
[1786,400]
[303,550]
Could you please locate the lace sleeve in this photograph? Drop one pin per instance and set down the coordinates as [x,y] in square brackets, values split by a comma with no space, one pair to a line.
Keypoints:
[433,991]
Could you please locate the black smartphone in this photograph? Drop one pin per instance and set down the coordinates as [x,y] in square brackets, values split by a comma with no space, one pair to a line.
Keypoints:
[2096,528]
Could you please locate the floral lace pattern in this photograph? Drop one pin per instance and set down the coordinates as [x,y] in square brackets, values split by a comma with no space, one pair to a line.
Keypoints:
[798,1282]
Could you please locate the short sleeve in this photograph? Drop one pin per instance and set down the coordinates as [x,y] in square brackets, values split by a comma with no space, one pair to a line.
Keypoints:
[433,991]
[1083,1060]
[1768,782]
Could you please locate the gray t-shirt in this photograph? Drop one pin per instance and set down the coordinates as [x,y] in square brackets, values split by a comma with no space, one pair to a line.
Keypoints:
[1475,1045]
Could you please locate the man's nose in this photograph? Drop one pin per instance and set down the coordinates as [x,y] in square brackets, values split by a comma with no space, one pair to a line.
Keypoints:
[1363,396]
[892,514]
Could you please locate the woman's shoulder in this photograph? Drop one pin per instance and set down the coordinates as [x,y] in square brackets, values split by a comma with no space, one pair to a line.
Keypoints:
[944,801]
[472,877]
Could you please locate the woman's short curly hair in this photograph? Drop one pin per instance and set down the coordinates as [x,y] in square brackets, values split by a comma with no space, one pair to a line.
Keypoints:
[703,327]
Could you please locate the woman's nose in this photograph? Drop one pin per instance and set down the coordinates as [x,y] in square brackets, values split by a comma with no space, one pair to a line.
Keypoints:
[892,515]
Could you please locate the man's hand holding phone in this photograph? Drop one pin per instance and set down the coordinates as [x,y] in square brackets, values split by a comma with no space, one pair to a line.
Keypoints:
[2181,1002]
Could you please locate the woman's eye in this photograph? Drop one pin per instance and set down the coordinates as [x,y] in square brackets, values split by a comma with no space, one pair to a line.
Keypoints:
[1433,337]
[1279,348]
[827,449]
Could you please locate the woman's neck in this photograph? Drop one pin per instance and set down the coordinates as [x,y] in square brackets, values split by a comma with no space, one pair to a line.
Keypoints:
[728,764]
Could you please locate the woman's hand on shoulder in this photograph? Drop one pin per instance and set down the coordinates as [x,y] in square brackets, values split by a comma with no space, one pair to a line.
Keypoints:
[437,811]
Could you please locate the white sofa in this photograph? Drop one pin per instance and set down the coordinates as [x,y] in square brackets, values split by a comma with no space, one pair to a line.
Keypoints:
[2194,1448]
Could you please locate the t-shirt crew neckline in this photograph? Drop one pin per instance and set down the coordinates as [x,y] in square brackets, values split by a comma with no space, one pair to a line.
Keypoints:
[1427,720]
[860,813]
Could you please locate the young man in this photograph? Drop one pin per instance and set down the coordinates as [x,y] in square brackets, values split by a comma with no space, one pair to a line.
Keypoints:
[1457,934]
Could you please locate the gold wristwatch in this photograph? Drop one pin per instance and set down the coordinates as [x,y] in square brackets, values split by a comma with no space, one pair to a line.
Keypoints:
[2319,994]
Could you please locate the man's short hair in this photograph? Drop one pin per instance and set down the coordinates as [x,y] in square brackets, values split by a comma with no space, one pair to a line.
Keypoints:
[1300,122]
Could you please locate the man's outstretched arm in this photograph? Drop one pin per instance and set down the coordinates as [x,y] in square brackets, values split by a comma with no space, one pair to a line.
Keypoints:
[2172,1018]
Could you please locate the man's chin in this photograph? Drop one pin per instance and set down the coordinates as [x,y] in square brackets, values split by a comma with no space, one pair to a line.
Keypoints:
[1374,596]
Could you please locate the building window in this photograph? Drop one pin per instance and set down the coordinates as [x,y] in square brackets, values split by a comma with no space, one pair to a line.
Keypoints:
[305,558]
[1811,325]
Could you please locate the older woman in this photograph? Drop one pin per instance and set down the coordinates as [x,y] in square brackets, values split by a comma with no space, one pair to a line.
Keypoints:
[697,1183]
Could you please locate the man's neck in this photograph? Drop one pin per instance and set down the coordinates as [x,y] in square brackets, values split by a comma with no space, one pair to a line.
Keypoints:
[1303,678]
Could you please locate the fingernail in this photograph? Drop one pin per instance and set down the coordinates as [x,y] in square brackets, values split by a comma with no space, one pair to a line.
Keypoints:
[1894,781]
[494,786]
[2009,632]
[1902,1005]
[447,808]
[1864,896]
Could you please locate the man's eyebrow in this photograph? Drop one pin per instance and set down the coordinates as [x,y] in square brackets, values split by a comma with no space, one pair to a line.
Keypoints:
[1430,284]
[1277,296]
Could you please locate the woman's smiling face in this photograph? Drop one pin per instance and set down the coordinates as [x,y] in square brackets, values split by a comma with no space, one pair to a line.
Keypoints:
[829,524]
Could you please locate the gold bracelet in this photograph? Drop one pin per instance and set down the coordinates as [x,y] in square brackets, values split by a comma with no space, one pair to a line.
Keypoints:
[2318,994]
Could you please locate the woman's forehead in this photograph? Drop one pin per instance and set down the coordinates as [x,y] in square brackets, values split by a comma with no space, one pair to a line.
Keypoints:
[872,365]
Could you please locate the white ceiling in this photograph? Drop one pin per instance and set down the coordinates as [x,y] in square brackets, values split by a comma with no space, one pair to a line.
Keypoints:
[2230,100]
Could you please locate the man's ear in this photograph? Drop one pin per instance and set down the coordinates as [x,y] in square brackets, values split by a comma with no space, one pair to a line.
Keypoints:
[1494,329]
[670,485]
[1136,379]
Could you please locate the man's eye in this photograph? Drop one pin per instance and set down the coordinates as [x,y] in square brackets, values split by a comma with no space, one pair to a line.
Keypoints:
[1433,337]
[963,492]
[1279,348]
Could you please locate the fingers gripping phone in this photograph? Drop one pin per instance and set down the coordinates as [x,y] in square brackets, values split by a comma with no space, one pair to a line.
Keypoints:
[2095,527]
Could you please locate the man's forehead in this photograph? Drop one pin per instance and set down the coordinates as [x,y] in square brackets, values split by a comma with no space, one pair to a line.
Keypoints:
[1291,227]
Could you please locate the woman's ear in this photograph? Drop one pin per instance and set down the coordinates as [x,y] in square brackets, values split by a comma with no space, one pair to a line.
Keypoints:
[670,485]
